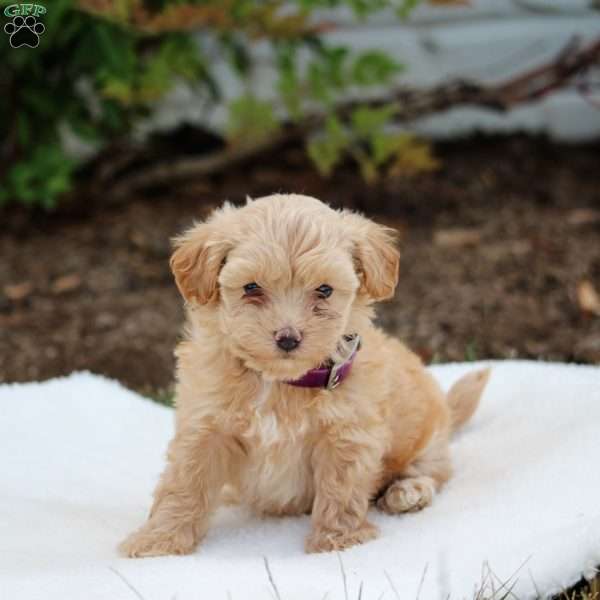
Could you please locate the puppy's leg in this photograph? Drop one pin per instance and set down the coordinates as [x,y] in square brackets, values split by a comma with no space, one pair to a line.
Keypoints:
[416,486]
[345,471]
[199,464]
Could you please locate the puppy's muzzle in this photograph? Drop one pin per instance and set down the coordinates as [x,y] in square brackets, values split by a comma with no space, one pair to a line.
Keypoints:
[288,338]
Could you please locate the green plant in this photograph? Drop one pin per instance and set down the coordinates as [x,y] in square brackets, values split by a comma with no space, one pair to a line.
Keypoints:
[102,64]
[471,352]
[368,141]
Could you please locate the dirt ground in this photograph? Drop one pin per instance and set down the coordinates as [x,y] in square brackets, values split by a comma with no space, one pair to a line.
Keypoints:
[500,249]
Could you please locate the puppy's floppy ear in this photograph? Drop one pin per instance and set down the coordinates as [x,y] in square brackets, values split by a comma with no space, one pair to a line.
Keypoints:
[199,254]
[375,254]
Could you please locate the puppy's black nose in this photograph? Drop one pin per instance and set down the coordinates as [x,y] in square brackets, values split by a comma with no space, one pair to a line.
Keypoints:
[288,338]
[288,343]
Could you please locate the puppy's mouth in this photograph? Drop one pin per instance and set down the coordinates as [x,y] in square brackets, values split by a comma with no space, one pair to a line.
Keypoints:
[284,366]
[291,365]
[275,364]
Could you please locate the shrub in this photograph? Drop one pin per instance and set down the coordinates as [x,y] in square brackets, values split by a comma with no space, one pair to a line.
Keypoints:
[102,64]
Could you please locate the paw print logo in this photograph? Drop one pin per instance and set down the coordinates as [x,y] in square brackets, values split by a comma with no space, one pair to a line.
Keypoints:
[24,31]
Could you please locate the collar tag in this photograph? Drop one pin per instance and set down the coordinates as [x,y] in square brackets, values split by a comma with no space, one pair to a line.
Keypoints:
[330,377]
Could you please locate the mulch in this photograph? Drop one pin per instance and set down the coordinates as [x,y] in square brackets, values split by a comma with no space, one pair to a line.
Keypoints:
[500,259]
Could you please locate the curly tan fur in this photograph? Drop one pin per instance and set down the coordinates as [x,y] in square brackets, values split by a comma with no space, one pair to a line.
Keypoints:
[382,435]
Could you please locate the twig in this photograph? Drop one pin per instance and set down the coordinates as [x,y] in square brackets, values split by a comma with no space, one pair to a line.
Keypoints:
[271,580]
[392,585]
[484,578]
[509,592]
[504,584]
[127,583]
[422,581]
[411,104]
[535,586]
[195,166]
[344,579]
[526,87]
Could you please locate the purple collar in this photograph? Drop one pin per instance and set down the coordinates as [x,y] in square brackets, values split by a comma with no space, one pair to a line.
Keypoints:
[330,377]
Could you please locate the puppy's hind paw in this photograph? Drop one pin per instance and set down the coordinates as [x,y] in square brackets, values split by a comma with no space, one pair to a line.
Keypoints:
[151,540]
[407,495]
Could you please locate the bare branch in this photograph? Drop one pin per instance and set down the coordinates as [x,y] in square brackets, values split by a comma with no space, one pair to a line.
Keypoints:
[127,583]
[412,104]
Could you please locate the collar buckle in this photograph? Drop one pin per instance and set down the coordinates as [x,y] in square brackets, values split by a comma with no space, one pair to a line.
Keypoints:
[335,377]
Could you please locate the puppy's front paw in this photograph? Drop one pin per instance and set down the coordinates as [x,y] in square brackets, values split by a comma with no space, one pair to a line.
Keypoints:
[327,540]
[152,540]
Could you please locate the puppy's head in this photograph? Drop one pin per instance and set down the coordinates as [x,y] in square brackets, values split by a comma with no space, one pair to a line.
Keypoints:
[282,276]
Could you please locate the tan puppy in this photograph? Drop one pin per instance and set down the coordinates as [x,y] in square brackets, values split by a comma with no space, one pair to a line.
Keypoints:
[273,290]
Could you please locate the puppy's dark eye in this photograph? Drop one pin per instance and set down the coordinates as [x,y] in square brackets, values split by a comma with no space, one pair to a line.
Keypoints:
[324,291]
[252,289]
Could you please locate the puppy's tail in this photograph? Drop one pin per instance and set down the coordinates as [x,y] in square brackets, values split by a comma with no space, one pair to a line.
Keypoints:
[464,396]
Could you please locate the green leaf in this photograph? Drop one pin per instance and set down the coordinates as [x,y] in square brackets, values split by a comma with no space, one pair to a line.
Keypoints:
[385,146]
[115,48]
[41,177]
[406,7]
[55,17]
[366,121]
[368,169]
[327,150]
[363,8]
[412,156]
[328,73]
[23,129]
[250,119]
[288,84]
[119,90]
[374,68]
[85,129]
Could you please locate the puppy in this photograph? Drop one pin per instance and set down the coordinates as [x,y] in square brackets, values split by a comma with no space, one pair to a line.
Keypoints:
[288,396]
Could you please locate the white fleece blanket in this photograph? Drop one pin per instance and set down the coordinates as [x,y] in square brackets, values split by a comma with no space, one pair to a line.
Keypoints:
[80,456]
